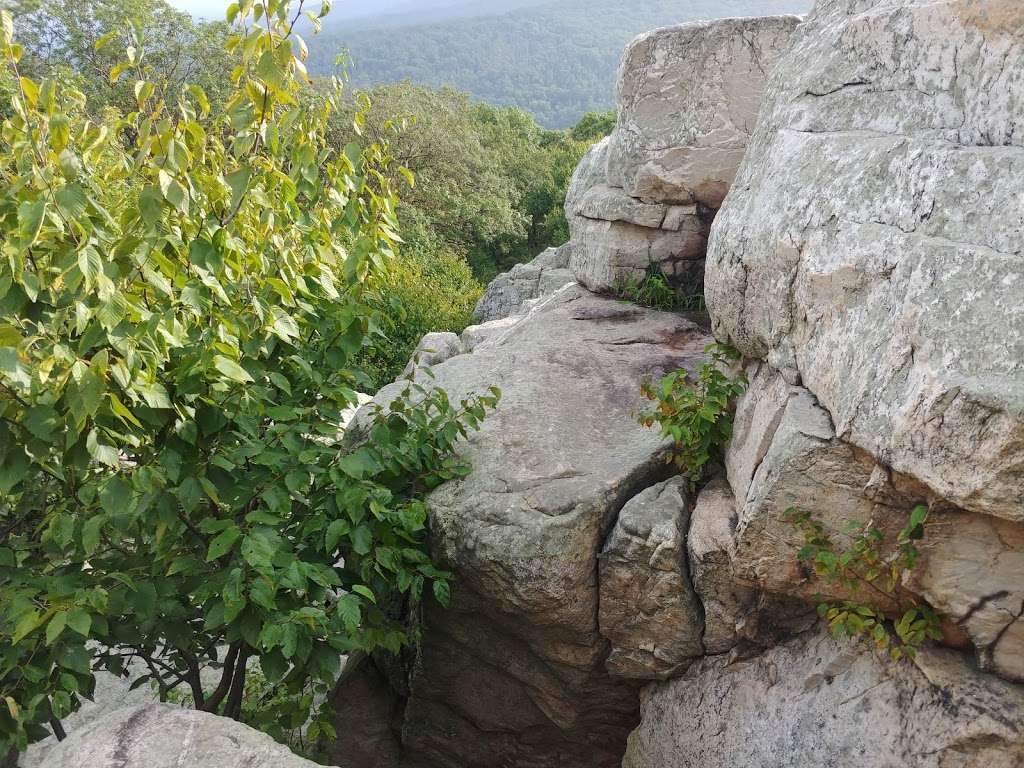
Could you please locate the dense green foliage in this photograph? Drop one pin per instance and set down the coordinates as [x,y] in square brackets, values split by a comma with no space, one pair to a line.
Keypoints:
[867,566]
[431,288]
[489,182]
[697,416]
[60,44]
[185,294]
[556,59]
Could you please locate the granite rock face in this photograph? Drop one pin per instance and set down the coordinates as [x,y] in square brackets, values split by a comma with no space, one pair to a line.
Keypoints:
[433,348]
[643,199]
[648,610]
[166,736]
[817,701]
[514,672]
[785,454]
[872,248]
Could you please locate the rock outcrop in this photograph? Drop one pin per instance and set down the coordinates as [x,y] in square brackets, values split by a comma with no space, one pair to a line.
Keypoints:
[644,198]
[873,252]
[883,296]
[514,672]
[507,293]
[165,736]
[817,701]
[881,377]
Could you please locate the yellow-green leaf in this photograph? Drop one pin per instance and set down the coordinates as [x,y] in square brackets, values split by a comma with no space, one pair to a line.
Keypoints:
[231,369]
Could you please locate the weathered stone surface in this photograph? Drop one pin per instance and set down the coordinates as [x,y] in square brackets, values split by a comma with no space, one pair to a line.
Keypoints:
[475,335]
[507,292]
[872,247]
[785,454]
[591,172]
[433,348]
[816,701]
[710,551]
[366,714]
[609,254]
[973,573]
[643,199]
[513,673]
[688,99]
[648,610]
[613,204]
[165,736]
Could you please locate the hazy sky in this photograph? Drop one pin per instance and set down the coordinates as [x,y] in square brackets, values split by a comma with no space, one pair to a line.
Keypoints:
[207,9]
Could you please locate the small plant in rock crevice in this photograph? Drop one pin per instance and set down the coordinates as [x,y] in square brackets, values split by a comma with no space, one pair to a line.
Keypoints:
[867,565]
[655,292]
[697,414]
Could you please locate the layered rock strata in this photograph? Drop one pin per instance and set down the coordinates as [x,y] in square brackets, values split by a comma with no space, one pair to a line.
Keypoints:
[643,199]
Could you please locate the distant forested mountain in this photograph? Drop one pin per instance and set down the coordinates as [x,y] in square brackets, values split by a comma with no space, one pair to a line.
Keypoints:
[554,59]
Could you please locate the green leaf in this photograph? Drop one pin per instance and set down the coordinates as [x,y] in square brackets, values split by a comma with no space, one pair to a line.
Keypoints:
[25,626]
[231,369]
[223,542]
[442,592]
[365,592]
[362,540]
[101,452]
[30,221]
[359,464]
[335,531]
[80,621]
[350,612]
[269,70]
[12,369]
[172,191]
[92,529]
[55,626]
[42,421]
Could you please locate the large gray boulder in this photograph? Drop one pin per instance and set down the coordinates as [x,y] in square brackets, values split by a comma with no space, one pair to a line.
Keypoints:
[514,672]
[165,736]
[643,199]
[871,249]
[688,99]
[432,349]
[506,294]
[816,701]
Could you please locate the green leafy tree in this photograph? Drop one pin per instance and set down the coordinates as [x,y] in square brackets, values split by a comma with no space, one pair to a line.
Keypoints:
[60,39]
[489,182]
[183,298]
[593,126]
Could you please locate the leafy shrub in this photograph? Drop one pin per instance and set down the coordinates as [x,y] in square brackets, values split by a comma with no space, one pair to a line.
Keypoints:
[183,296]
[430,288]
[696,415]
[867,566]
